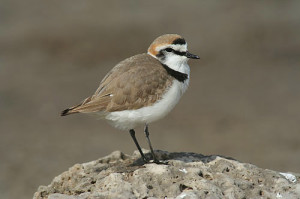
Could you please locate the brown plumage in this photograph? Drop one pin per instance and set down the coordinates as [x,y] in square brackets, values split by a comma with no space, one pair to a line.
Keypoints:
[136,82]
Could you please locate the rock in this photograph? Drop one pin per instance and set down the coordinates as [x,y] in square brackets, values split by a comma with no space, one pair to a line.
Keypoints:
[183,175]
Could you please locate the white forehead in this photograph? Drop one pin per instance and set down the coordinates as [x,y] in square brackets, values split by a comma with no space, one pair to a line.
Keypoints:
[177,47]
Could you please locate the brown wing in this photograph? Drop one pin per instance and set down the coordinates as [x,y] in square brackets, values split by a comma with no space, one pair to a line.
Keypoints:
[135,82]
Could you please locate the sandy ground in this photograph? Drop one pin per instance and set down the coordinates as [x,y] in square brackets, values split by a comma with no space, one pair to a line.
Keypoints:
[243,100]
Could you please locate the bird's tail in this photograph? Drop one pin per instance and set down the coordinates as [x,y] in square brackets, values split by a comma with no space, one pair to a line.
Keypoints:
[65,112]
[69,111]
[75,109]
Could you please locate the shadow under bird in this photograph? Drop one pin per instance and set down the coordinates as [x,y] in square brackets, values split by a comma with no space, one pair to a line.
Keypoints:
[143,88]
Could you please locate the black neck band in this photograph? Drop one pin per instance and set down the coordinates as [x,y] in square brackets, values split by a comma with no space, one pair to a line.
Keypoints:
[177,75]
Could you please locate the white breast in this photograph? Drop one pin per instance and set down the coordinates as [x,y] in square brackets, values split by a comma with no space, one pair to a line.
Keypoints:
[129,119]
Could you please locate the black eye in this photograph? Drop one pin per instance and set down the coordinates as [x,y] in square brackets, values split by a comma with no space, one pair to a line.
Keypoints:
[169,49]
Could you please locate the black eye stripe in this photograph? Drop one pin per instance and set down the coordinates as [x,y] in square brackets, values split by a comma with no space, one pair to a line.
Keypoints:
[179,53]
[175,51]
[162,55]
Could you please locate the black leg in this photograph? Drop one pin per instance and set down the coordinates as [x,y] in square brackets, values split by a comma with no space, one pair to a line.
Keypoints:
[149,143]
[132,133]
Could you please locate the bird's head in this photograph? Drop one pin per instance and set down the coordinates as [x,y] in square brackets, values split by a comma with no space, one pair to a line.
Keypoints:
[170,48]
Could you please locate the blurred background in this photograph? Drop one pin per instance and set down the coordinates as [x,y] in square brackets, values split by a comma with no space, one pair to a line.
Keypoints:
[243,100]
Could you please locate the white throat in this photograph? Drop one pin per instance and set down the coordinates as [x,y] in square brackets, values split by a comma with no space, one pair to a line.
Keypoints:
[177,63]
[172,60]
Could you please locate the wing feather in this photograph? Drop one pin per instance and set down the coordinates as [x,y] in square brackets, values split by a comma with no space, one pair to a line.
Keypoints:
[135,82]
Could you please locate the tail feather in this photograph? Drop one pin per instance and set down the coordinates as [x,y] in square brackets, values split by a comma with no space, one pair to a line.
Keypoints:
[69,111]
[65,112]
[74,109]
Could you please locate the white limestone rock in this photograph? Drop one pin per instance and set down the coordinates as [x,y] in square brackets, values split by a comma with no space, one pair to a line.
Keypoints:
[183,176]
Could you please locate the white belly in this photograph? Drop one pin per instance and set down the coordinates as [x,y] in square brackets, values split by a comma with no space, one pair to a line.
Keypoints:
[129,119]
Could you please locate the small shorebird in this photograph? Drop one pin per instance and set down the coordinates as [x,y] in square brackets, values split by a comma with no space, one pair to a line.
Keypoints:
[142,88]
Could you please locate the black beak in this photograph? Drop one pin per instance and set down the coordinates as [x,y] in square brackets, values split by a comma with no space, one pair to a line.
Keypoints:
[191,56]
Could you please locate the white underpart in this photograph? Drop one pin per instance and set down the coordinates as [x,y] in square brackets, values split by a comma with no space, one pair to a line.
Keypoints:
[129,119]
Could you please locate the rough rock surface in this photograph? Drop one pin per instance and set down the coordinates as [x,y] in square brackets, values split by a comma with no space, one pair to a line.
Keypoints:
[184,175]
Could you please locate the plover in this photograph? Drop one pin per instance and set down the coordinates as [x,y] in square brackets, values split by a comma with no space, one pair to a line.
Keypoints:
[143,88]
